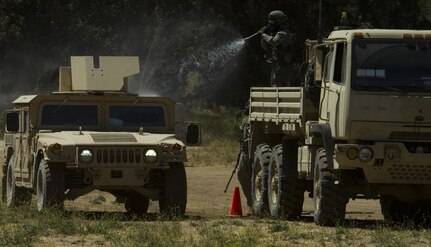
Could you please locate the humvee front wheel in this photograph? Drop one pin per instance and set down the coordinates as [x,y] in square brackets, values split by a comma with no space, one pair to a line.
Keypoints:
[173,199]
[15,196]
[329,199]
[137,204]
[285,194]
[50,185]
[259,179]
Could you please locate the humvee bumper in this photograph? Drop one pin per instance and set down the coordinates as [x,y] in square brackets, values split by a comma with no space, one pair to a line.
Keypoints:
[387,162]
[115,176]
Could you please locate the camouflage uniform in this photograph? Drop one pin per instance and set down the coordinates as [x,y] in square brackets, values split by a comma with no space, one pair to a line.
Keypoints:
[276,41]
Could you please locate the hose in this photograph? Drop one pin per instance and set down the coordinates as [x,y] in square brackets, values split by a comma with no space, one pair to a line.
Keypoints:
[251,36]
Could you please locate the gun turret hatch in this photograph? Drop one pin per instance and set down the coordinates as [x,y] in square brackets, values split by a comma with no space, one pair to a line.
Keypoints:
[108,75]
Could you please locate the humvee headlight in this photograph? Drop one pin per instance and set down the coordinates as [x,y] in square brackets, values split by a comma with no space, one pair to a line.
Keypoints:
[56,148]
[85,156]
[365,154]
[352,153]
[150,156]
[176,148]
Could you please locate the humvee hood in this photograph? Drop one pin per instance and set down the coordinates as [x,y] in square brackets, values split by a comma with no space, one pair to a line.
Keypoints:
[103,138]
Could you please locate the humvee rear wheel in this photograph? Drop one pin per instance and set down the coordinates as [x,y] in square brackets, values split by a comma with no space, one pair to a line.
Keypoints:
[15,196]
[285,194]
[11,197]
[50,185]
[173,199]
[259,179]
[329,199]
[137,204]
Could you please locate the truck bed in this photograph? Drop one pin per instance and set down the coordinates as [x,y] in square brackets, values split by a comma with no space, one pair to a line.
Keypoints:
[286,107]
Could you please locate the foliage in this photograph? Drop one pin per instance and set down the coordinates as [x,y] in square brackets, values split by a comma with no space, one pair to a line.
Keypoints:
[173,38]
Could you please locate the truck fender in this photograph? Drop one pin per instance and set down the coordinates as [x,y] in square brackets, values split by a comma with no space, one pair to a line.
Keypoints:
[323,130]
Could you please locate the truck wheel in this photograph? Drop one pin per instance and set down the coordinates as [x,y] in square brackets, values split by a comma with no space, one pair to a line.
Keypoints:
[50,185]
[3,183]
[137,204]
[174,193]
[285,194]
[259,179]
[15,196]
[329,199]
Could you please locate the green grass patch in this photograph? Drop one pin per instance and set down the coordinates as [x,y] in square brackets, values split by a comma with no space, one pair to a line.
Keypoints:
[220,136]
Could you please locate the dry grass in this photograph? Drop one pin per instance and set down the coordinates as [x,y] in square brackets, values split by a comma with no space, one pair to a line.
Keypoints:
[26,227]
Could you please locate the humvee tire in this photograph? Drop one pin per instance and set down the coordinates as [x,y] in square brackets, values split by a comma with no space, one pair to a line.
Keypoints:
[285,194]
[174,192]
[50,185]
[14,196]
[136,203]
[329,198]
[259,179]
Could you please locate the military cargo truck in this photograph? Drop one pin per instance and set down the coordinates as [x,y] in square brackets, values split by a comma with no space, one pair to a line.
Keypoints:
[358,127]
[93,134]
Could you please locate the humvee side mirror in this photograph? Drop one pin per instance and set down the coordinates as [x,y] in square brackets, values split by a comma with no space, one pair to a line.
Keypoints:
[193,135]
[12,121]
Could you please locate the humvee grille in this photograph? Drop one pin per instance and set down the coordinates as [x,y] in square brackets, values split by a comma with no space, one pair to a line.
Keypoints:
[115,156]
[113,137]
[410,172]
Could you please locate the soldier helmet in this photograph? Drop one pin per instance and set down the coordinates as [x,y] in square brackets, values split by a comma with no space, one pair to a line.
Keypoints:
[277,16]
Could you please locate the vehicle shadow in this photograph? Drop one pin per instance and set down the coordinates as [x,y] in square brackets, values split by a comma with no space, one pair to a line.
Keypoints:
[124,216]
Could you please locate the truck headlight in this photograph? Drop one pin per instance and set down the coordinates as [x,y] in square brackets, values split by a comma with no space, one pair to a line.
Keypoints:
[150,156]
[86,156]
[365,154]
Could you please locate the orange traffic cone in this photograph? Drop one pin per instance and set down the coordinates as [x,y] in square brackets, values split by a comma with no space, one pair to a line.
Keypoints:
[236,209]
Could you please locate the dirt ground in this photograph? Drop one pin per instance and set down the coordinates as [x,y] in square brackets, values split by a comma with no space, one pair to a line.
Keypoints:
[207,199]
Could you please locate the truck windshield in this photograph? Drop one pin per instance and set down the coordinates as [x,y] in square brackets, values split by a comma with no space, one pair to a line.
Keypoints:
[139,116]
[391,65]
[76,115]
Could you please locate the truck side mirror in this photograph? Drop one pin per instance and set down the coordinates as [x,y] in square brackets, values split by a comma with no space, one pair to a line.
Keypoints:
[193,134]
[12,121]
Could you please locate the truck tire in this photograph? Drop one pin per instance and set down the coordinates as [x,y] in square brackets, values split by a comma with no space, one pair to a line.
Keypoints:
[137,204]
[285,194]
[15,196]
[173,198]
[329,198]
[259,180]
[50,186]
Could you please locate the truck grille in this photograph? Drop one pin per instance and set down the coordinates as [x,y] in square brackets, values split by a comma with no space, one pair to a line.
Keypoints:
[410,172]
[118,155]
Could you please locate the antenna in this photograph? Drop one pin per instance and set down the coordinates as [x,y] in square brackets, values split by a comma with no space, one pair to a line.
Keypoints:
[319,32]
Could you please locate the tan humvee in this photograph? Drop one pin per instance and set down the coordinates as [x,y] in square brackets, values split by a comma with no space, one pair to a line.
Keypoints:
[91,135]
[360,127]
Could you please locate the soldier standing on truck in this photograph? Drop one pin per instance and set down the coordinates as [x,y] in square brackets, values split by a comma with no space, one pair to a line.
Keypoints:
[276,41]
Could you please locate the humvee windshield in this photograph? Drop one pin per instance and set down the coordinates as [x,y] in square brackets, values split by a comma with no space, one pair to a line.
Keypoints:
[391,65]
[79,115]
[139,116]
[118,115]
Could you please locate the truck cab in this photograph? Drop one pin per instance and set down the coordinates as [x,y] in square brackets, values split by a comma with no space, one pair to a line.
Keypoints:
[359,127]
